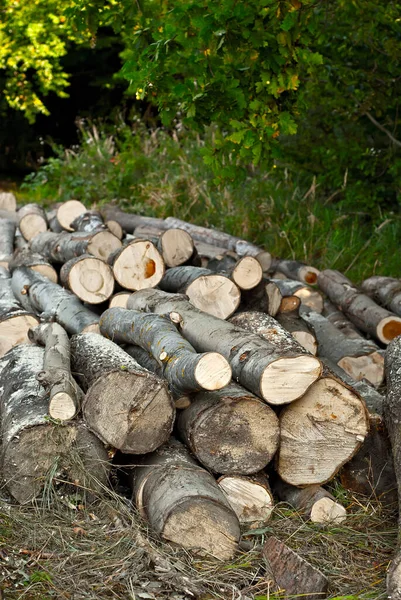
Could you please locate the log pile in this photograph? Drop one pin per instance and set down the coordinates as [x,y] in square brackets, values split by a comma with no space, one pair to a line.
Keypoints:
[117,328]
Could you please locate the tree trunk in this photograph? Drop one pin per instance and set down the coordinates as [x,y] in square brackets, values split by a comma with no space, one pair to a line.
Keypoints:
[15,322]
[362,310]
[358,357]
[385,291]
[316,503]
[52,302]
[31,220]
[309,297]
[88,221]
[392,416]
[255,362]
[120,299]
[293,573]
[36,262]
[291,376]
[265,297]
[320,432]
[68,211]
[184,369]
[246,272]
[249,497]
[338,318]
[184,504]
[8,201]
[7,233]
[219,238]
[61,247]
[34,449]
[299,329]
[214,294]
[230,431]
[90,278]
[296,270]
[65,394]
[125,405]
[128,221]
[138,265]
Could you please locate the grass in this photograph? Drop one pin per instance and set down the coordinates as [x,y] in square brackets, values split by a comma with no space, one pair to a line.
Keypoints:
[151,172]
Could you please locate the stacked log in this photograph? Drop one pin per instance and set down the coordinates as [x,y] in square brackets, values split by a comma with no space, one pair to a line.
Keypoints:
[296,270]
[7,232]
[61,247]
[385,291]
[250,498]
[26,258]
[90,278]
[308,296]
[138,265]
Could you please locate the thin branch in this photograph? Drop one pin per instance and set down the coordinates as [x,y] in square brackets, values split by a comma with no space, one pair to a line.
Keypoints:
[382,128]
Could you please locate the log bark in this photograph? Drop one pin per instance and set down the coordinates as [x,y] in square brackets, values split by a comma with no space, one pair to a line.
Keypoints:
[255,363]
[293,573]
[52,302]
[299,329]
[230,431]
[358,357]
[7,233]
[320,432]
[308,296]
[246,272]
[392,416]
[138,265]
[250,498]
[129,222]
[125,405]
[265,297]
[290,377]
[15,322]
[65,396]
[36,262]
[214,294]
[8,201]
[90,278]
[385,291]
[68,211]
[88,221]
[184,504]
[362,310]
[338,318]
[32,447]
[120,299]
[61,247]
[54,225]
[313,501]
[219,238]
[183,367]
[31,220]
[296,270]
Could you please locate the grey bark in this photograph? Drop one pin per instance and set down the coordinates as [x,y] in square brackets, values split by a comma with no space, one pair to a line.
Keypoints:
[27,258]
[158,335]
[88,222]
[129,222]
[299,329]
[61,247]
[125,405]
[54,225]
[7,233]
[338,318]
[265,297]
[293,269]
[305,499]
[309,297]
[385,291]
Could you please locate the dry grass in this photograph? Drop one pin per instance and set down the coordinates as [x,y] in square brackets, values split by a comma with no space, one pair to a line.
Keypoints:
[103,550]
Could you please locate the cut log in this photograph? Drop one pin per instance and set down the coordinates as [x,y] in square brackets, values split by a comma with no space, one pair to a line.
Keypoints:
[90,278]
[392,416]
[289,304]
[125,405]
[88,221]
[308,296]
[230,430]
[296,370]
[385,291]
[15,322]
[65,396]
[293,573]
[176,246]
[210,251]
[211,293]
[362,310]
[338,318]
[184,504]
[68,211]
[255,362]
[316,503]
[219,238]
[8,201]
[32,447]
[61,247]
[36,262]
[115,228]
[320,432]
[296,270]
[52,302]
[249,497]
[138,265]
[246,272]
[120,299]
[31,221]
[183,367]
[7,233]
[358,357]
[265,297]
[51,216]
[129,222]
[299,329]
